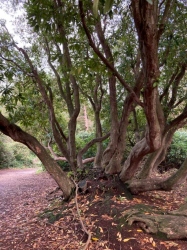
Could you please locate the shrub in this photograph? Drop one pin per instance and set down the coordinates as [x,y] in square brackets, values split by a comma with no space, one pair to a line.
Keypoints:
[82,139]
[16,155]
[178,149]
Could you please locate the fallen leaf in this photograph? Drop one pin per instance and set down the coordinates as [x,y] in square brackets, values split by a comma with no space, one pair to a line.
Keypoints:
[127,239]
[95,239]
[119,238]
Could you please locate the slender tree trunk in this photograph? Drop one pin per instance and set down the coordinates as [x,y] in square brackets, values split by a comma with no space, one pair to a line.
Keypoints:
[98,157]
[17,134]
[86,119]
[110,155]
[157,157]
[119,139]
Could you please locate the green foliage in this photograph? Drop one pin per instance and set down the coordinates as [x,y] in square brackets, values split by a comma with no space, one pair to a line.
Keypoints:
[82,139]
[6,157]
[15,155]
[178,149]
[108,5]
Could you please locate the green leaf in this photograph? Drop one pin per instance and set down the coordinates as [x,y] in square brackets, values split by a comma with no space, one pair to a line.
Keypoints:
[95,7]
[150,1]
[155,84]
[108,5]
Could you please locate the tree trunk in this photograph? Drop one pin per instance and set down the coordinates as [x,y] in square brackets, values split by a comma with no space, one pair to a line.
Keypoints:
[140,185]
[134,160]
[17,134]
[145,17]
[113,155]
[157,157]
[98,157]
[110,160]
[177,178]
[167,224]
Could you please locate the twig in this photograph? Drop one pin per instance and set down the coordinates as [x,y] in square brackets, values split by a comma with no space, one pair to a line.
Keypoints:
[80,219]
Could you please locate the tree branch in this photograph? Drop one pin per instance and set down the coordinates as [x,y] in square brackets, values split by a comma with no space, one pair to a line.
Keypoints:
[165,16]
[92,142]
[103,58]
[54,70]
[55,157]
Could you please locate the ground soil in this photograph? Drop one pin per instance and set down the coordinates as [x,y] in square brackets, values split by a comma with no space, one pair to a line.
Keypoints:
[33,215]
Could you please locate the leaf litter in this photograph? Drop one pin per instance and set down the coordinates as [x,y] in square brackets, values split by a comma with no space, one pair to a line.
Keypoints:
[34,216]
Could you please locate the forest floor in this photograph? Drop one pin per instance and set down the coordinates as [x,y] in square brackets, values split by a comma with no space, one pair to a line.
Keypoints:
[34,216]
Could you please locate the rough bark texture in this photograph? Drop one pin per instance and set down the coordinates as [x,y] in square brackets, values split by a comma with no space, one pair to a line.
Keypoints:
[98,157]
[161,183]
[110,153]
[146,21]
[171,225]
[156,157]
[177,178]
[17,134]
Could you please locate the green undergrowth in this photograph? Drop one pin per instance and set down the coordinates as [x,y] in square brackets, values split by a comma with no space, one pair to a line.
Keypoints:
[16,155]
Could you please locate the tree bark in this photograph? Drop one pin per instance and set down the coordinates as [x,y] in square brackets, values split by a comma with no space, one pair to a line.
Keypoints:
[155,158]
[177,178]
[163,183]
[145,17]
[17,134]
[168,224]
[98,157]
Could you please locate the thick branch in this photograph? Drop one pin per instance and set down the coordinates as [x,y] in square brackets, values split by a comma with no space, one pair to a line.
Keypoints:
[17,134]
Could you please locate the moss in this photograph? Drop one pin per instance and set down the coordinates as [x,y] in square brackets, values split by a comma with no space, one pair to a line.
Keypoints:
[160,235]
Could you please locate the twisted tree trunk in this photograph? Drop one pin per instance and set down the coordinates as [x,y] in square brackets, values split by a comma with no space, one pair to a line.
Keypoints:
[17,134]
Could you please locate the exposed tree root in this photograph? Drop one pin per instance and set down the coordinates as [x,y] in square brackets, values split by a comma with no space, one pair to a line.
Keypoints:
[171,225]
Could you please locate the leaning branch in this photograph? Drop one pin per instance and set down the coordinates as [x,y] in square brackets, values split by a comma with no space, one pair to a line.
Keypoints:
[92,142]
[55,157]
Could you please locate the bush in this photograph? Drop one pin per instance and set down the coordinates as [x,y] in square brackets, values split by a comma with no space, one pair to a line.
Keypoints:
[178,149]
[6,157]
[15,155]
[82,139]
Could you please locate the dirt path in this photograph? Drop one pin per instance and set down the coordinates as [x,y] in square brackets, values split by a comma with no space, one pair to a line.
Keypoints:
[22,195]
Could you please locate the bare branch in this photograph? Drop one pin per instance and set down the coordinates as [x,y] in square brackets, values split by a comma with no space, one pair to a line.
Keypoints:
[88,160]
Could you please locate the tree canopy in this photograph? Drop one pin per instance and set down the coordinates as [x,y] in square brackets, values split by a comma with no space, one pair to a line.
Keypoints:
[122,63]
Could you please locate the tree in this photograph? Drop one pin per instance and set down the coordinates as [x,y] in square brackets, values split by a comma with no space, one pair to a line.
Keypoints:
[131,52]
[17,134]
[155,24]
